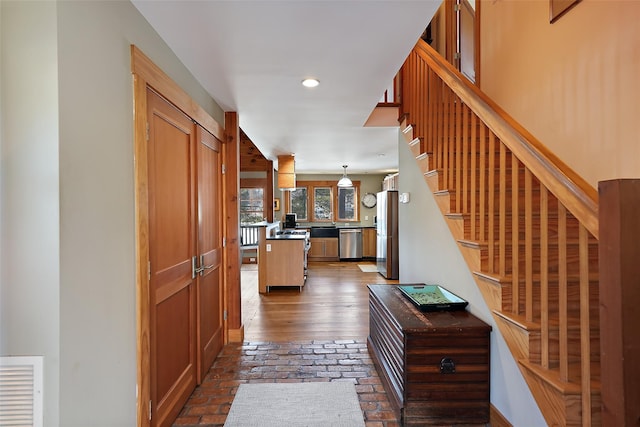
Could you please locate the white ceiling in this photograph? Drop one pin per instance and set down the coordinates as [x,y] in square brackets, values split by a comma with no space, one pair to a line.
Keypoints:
[251,56]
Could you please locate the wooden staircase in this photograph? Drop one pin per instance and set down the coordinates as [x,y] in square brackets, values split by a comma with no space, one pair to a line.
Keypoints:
[526,225]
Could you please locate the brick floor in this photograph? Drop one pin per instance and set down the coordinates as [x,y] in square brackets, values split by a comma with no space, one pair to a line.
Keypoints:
[256,362]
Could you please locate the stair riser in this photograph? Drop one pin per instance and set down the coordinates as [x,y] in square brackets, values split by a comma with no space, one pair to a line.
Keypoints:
[492,264]
[528,345]
[573,348]
[416,146]
[553,304]
[505,292]
[484,198]
[552,230]
[451,162]
[561,409]
[407,131]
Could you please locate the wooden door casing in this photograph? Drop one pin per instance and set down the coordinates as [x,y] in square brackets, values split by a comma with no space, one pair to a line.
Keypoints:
[152,407]
[172,245]
[209,282]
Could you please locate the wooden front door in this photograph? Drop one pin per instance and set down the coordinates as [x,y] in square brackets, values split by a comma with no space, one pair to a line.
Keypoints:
[172,248]
[209,281]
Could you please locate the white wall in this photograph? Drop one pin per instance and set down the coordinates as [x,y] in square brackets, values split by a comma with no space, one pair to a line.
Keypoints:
[30,254]
[68,278]
[429,254]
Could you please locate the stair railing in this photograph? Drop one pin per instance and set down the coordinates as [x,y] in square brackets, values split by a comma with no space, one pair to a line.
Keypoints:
[391,95]
[534,219]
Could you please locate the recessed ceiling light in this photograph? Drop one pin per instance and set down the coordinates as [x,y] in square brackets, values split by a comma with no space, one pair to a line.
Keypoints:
[310,82]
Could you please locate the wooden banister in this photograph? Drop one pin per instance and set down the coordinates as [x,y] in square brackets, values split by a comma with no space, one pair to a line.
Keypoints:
[575,193]
[532,221]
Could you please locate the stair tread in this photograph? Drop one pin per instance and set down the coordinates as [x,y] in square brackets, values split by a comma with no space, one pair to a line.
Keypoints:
[532,325]
[455,215]
[518,320]
[551,240]
[408,128]
[485,243]
[508,278]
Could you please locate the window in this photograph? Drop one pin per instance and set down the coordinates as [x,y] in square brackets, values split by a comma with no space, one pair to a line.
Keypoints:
[322,204]
[298,203]
[251,205]
[327,202]
[347,205]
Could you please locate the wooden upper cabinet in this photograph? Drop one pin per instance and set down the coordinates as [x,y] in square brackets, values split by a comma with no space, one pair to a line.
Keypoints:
[286,172]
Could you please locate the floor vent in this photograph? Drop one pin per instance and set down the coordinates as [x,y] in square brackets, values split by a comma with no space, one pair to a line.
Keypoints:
[21,391]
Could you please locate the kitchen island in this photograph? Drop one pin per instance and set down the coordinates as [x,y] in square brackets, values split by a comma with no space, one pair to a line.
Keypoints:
[282,260]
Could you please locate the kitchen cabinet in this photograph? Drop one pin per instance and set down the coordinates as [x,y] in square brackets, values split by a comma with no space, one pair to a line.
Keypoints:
[434,366]
[368,242]
[324,249]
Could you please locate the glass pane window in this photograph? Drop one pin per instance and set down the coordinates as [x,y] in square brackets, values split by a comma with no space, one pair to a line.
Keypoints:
[322,204]
[298,202]
[347,204]
[251,205]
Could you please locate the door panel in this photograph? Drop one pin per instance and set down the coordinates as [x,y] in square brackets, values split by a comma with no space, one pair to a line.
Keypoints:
[209,286]
[173,345]
[172,244]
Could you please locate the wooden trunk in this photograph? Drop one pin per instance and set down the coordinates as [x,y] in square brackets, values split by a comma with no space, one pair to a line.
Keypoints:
[434,366]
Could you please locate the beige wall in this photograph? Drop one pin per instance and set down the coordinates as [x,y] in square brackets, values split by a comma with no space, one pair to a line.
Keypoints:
[573,84]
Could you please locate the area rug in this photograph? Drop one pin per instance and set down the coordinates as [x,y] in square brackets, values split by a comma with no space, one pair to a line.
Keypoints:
[368,268]
[316,404]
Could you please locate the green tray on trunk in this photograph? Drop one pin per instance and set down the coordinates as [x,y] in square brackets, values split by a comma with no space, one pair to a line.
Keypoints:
[432,297]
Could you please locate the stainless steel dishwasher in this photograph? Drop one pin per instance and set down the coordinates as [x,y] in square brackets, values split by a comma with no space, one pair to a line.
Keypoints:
[350,243]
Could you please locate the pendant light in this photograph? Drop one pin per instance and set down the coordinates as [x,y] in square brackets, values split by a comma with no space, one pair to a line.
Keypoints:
[345,181]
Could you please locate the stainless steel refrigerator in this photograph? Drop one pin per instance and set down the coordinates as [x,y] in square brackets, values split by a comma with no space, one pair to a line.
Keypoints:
[387,234]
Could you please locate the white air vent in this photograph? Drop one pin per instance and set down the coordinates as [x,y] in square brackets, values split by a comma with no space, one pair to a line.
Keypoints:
[21,391]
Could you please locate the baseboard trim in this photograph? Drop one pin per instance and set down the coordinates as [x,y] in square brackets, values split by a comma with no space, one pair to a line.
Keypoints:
[236,335]
[496,419]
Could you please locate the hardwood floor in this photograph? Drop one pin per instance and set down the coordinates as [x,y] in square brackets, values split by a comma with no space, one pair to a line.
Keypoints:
[333,305]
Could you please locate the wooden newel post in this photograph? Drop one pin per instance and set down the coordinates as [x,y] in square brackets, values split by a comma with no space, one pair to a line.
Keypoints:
[619,244]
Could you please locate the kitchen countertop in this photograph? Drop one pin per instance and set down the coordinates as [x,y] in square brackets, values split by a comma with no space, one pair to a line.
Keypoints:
[287,237]
[301,227]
